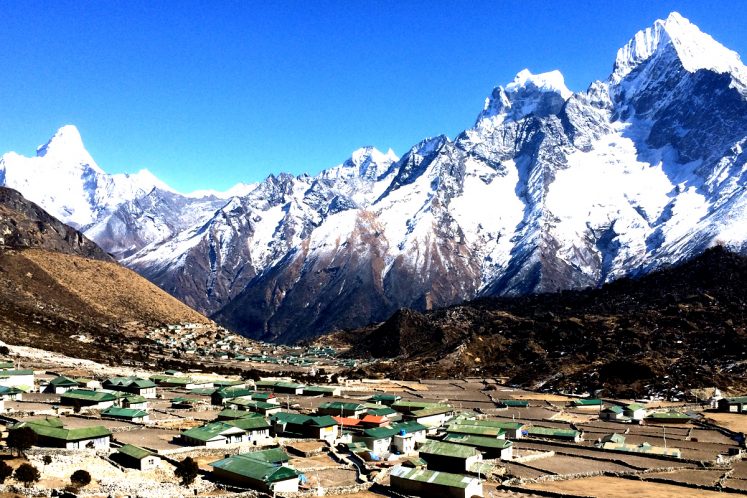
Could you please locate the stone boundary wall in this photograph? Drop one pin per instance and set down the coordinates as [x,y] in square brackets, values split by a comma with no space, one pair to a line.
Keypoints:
[608,452]
[690,485]
[550,494]
[531,458]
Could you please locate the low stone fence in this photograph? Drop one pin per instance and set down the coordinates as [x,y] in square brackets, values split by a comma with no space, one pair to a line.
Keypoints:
[334,491]
[550,494]
[539,455]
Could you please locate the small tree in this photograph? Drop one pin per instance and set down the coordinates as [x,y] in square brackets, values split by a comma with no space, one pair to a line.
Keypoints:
[76,406]
[5,471]
[80,478]
[21,439]
[47,459]
[186,470]
[27,474]
[4,350]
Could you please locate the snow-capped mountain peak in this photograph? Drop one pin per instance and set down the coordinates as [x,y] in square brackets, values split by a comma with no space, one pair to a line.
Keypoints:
[367,163]
[695,49]
[67,145]
[539,94]
[239,190]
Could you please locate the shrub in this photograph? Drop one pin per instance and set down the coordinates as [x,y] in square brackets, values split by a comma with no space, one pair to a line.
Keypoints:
[21,439]
[27,474]
[5,471]
[186,470]
[80,478]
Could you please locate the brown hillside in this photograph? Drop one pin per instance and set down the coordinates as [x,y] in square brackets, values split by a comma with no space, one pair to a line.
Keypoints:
[112,290]
[47,297]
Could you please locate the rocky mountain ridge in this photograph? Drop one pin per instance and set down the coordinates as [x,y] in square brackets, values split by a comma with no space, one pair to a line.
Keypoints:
[549,190]
[668,331]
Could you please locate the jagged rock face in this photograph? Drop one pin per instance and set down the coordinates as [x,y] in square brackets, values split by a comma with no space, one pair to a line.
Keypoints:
[24,225]
[548,190]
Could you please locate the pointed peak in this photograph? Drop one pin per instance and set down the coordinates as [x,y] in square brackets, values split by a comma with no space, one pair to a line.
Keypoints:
[66,140]
[695,49]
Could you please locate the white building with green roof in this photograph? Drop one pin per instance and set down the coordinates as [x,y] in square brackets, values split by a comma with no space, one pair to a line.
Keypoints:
[137,457]
[51,433]
[22,379]
[449,457]
[429,483]
[214,435]
[246,471]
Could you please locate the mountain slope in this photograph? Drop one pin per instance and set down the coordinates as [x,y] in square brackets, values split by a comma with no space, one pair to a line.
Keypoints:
[548,190]
[55,284]
[681,326]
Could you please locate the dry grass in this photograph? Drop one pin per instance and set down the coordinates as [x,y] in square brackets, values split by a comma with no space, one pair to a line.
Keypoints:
[612,487]
[111,289]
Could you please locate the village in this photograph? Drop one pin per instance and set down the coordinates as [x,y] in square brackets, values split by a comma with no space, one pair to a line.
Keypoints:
[140,432]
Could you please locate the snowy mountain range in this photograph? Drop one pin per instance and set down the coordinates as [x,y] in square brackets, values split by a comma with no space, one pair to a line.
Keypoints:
[548,190]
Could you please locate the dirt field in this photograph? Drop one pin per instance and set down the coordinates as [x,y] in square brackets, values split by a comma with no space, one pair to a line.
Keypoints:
[705,477]
[733,421]
[156,439]
[612,487]
[562,464]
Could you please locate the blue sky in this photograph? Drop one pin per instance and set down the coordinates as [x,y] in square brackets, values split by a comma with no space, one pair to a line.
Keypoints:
[207,94]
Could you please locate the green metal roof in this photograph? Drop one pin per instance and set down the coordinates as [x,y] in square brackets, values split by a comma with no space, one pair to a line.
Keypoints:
[460,481]
[233,392]
[410,426]
[634,406]
[271,455]
[318,389]
[62,381]
[249,403]
[614,409]
[253,469]
[117,412]
[262,396]
[341,405]
[13,373]
[478,441]
[82,394]
[549,431]
[209,431]
[736,399]
[385,397]
[380,432]
[227,383]
[323,421]
[668,415]
[228,413]
[55,430]
[478,430]
[587,402]
[383,411]
[134,398]
[135,452]
[431,410]
[129,381]
[447,449]
[513,426]
[249,424]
